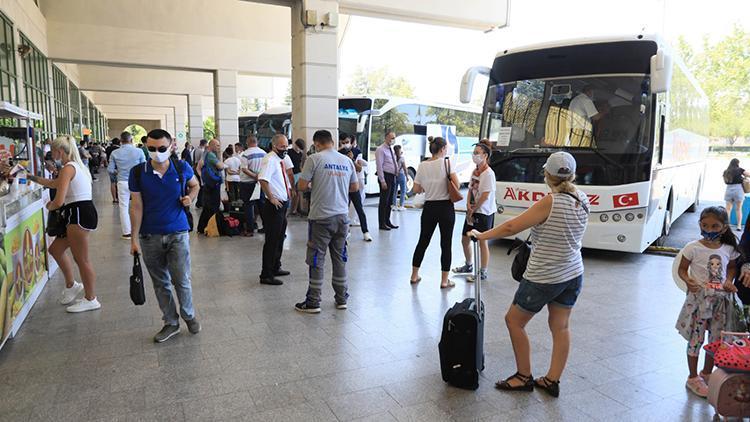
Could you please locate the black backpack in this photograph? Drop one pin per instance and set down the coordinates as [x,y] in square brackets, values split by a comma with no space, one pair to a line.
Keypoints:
[183,185]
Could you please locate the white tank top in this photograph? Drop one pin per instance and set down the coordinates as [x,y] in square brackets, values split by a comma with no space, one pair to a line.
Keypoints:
[556,243]
[80,185]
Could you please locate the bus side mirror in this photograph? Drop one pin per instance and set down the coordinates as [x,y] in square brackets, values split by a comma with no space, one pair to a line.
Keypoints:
[661,72]
[467,83]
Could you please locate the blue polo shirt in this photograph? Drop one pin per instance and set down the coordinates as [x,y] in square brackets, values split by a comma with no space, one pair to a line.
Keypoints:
[163,212]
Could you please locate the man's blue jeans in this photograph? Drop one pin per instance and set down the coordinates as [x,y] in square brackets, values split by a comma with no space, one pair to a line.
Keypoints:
[167,259]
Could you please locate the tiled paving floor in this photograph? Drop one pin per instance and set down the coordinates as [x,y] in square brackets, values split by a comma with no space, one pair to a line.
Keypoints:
[258,359]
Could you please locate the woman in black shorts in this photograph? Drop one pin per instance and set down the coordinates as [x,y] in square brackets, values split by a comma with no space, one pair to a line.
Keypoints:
[480,209]
[73,198]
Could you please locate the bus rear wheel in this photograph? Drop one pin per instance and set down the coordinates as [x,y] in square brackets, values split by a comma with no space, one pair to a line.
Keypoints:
[697,203]
[662,240]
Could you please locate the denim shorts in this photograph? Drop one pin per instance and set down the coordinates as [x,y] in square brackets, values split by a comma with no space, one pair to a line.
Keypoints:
[532,297]
[113,178]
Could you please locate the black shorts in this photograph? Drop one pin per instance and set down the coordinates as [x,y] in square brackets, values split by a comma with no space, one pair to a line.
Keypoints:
[481,223]
[82,213]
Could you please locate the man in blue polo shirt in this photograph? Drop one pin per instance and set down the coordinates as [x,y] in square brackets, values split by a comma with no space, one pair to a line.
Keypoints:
[158,211]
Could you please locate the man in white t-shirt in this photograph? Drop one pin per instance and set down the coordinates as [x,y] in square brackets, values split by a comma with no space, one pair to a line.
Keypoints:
[277,187]
[583,111]
[232,169]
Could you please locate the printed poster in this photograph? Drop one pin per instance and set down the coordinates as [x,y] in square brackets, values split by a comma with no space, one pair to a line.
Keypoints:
[23,263]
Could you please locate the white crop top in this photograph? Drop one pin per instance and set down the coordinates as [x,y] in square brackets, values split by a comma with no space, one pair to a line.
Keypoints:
[80,185]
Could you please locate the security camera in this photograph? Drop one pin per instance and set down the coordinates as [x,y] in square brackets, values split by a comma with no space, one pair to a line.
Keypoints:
[24,50]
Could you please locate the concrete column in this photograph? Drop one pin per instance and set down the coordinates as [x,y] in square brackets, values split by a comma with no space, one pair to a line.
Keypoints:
[225,107]
[170,127]
[180,120]
[195,118]
[19,72]
[314,72]
[52,104]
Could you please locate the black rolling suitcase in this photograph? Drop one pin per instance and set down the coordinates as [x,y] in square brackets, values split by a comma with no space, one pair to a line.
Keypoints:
[462,342]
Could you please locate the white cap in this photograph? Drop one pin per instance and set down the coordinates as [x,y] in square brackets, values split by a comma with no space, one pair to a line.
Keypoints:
[560,164]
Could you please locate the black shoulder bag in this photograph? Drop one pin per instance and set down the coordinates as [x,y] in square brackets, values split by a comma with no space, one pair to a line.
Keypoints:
[137,292]
[523,248]
[183,192]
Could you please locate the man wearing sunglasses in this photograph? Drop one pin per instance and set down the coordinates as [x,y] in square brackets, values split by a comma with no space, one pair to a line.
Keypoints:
[123,159]
[162,191]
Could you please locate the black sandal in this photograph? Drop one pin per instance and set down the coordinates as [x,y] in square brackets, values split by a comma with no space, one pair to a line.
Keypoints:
[550,387]
[528,383]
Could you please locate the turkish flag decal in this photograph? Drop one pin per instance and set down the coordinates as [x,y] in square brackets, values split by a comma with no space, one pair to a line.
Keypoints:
[625,200]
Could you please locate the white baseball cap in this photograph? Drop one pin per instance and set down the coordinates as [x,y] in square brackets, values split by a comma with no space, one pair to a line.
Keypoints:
[560,164]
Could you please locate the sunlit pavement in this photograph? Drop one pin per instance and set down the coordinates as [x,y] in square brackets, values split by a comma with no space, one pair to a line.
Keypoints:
[258,359]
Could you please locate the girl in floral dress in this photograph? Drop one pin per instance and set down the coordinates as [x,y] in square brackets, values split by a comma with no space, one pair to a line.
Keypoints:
[708,268]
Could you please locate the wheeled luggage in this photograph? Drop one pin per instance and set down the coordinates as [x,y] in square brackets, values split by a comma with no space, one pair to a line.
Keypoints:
[729,391]
[462,341]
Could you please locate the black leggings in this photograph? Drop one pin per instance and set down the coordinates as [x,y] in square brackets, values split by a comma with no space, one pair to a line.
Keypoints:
[434,213]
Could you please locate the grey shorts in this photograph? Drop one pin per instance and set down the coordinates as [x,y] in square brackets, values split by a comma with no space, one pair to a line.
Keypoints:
[734,194]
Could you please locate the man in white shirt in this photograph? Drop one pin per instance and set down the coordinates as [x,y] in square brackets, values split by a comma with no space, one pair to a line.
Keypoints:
[275,182]
[232,169]
[583,111]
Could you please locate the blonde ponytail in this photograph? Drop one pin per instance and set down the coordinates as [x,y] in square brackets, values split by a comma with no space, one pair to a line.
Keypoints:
[560,184]
[67,144]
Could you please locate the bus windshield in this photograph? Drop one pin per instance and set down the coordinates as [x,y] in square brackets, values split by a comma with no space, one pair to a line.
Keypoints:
[604,121]
[350,110]
[269,125]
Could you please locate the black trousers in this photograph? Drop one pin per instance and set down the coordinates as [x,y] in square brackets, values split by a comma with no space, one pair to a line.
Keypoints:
[356,199]
[436,213]
[211,201]
[386,200]
[246,192]
[199,200]
[274,223]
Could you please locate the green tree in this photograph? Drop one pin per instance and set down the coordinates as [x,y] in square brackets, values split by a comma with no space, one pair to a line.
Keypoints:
[209,128]
[137,131]
[723,71]
[379,82]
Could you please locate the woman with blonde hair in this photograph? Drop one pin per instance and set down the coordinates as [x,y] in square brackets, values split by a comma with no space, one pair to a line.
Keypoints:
[554,274]
[74,200]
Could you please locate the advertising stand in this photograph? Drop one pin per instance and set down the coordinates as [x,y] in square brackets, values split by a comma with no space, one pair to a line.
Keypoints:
[24,268]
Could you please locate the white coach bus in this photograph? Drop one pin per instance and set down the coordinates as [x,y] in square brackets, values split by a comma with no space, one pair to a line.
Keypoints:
[368,118]
[629,112]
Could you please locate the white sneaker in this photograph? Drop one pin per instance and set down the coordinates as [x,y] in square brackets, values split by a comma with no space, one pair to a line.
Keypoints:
[69,295]
[83,305]
[402,208]
[367,237]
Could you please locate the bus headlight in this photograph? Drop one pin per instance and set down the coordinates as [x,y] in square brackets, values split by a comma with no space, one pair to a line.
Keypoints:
[616,218]
[621,238]
[604,218]
[500,209]
[640,216]
[629,216]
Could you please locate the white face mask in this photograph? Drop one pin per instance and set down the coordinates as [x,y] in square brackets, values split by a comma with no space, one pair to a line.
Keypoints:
[159,157]
[477,158]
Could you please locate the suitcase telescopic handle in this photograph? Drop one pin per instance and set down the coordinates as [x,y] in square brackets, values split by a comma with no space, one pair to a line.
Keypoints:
[735,334]
[477,277]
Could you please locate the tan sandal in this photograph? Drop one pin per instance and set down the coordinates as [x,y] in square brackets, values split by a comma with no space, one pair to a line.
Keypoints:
[448,286]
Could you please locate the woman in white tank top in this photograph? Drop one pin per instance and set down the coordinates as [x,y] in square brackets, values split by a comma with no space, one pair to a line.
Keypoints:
[554,274]
[74,200]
